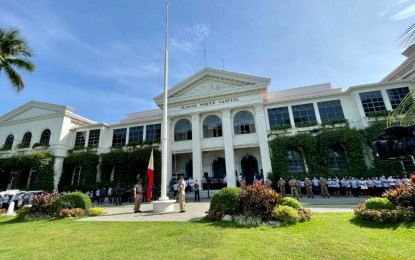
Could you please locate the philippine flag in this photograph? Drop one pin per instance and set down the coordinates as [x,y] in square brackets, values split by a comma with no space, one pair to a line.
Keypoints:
[150,174]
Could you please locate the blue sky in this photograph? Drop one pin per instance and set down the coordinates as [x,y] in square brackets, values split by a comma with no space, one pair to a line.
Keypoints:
[105,58]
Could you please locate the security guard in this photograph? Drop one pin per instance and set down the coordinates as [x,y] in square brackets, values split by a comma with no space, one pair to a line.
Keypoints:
[138,196]
[182,194]
[281,185]
[309,187]
[293,186]
[323,187]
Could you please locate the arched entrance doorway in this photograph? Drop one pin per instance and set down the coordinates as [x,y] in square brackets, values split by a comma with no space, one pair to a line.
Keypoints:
[5,176]
[249,166]
[219,167]
[188,168]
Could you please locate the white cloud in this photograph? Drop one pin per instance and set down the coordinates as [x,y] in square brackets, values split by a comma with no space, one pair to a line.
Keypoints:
[404,14]
[402,1]
[191,38]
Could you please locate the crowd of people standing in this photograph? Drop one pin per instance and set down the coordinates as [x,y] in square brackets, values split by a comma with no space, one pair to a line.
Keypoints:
[346,186]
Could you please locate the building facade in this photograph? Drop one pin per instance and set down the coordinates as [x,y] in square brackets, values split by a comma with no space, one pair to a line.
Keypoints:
[219,122]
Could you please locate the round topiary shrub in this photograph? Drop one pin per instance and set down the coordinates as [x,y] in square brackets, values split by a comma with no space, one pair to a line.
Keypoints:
[71,201]
[379,203]
[291,202]
[286,214]
[227,200]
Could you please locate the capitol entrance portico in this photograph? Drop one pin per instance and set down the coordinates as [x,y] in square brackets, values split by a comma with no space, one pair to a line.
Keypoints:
[217,127]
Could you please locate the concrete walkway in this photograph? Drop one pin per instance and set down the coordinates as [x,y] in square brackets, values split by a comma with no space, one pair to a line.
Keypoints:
[195,211]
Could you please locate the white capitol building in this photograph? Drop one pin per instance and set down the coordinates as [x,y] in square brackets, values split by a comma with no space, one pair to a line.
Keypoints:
[219,122]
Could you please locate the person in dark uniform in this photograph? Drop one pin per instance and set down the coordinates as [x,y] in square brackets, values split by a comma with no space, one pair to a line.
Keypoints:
[138,195]
[119,191]
[196,188]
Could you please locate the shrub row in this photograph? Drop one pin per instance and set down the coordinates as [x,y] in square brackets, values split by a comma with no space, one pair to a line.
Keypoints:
[396,205]
[47,206]
[385,215]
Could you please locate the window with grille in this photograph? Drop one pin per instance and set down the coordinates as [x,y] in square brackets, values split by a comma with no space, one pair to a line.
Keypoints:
[330,110]
[153,132]
[136,134]
[244,123]
[45,137]
[408,164]
[80,139]
[77,176]
[119,176]
[295,161]
[304,115]
[396,95]
[338,159]
[33,179]
[212,126]
[183,130]
[372,102]
[119,137]
[278,116]
[93,139]
[27,138]
[9,143]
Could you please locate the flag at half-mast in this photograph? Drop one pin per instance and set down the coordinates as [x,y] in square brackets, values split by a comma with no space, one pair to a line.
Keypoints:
[150,174]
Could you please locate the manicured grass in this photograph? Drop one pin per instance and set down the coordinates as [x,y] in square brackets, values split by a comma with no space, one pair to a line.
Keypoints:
[326,236]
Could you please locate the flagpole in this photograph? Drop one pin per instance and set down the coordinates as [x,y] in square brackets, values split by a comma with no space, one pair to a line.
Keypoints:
[165,128]
[164,204]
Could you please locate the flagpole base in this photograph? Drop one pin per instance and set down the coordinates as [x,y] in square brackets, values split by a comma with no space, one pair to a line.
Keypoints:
[163,206]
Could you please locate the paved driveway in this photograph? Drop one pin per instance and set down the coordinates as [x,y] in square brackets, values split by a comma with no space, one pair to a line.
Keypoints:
[195,211]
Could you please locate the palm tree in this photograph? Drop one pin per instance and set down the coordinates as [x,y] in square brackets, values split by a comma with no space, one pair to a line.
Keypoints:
[404,114]
[408,37]
[14,53]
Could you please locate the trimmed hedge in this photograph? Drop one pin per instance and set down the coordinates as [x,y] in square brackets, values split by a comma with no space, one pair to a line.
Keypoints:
[291,202]
[72,200]
[286,214]
[379,203]
[227,200]
[385,215]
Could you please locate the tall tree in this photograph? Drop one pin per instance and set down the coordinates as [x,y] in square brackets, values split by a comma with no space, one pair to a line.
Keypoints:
[14,53]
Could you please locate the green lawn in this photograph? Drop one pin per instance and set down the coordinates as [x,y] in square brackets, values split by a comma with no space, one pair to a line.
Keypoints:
[326,236]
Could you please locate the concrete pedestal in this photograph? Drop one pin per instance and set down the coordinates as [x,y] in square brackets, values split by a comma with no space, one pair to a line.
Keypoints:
[163,206]
[10,210]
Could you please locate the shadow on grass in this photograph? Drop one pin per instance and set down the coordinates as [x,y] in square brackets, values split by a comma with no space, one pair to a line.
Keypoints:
[6,220]
[234,225]
[370,224]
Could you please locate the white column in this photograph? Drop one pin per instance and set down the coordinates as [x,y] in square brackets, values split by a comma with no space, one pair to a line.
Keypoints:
[196,148]
[228,143]
[99,174]
[359,105]
[317,113]
[57,167]
[292,122]
[386,99]
[263,140]
[169,154]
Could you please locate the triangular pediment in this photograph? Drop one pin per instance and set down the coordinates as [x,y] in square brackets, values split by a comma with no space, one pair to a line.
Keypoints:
[212,83]
[34,109]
